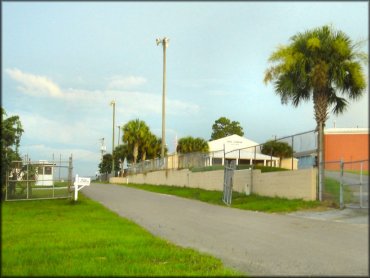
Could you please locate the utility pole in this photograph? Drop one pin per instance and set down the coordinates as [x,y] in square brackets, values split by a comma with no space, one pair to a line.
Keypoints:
[164,42]
[119,131]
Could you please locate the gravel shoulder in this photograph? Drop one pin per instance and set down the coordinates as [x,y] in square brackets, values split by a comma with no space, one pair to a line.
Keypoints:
[256,243]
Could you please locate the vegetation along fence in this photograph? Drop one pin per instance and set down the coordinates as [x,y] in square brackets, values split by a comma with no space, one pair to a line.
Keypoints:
[29,180]
[347,183]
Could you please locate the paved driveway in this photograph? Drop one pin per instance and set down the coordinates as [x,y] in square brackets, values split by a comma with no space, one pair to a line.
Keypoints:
[255,243]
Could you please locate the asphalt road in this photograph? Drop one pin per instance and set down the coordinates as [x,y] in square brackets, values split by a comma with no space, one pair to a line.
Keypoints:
[252,242]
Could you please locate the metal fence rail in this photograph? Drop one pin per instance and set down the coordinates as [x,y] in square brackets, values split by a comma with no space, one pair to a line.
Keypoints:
[30,180]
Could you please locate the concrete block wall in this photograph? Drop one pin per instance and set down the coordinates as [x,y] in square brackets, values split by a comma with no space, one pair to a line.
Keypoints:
[209,180]
[288,184]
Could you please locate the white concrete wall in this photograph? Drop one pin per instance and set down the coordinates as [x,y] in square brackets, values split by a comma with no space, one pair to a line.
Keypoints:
[288,184]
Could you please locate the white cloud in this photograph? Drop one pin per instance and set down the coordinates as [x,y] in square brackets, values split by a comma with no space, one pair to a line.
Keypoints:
[35,85]
[125,82]
[42,129]
[40,151]
[130,103]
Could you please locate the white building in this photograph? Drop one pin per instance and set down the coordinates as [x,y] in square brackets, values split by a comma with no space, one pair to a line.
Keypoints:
[240,149]
[44,173]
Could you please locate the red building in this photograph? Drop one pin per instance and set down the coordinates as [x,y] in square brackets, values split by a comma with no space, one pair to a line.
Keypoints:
[347,144]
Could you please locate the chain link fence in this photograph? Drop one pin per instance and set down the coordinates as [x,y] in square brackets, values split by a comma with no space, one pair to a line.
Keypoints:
[346,183]
[30,180]
[297,151]
[303,150]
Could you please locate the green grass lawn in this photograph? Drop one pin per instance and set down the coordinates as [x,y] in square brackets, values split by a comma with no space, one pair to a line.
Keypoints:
[63,238]
[39,192]
[332,191]
[239,200]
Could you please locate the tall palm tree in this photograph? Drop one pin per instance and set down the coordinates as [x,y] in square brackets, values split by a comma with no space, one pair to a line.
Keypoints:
[323,64]
[134,134]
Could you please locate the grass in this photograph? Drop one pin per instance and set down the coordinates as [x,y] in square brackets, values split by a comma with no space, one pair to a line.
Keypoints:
[39,192]
[63,238]
[241,201]
[332,191]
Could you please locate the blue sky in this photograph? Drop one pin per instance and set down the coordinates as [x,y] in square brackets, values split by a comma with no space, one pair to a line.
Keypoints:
[63,63]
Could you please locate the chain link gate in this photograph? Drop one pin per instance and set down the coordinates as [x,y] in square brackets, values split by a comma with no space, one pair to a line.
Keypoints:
[347,183]
[31,180]
[354,184]
[228,182]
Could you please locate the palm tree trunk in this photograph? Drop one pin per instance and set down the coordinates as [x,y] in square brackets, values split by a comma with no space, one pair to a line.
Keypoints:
[321,159]
[320,99]
[136,152]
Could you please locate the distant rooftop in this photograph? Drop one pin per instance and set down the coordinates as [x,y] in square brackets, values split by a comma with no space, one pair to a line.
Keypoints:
[347,130]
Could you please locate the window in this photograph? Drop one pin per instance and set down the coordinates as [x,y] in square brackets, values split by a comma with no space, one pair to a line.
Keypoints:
[40,170]
[47,170]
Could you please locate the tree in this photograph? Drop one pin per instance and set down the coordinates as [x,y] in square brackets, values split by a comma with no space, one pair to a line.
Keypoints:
[11,132]
[151,147]
[322,64]
[190,144]
[120,153]
[224,127]
[134,134]
[105,166]
[277,149]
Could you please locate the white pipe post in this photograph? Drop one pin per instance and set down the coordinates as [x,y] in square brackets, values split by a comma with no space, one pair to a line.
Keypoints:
[76,187]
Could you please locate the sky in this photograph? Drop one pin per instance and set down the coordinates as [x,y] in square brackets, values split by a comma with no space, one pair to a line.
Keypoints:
[64,62]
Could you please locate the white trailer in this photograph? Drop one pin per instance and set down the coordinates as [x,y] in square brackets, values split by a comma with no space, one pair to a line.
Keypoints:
[44,173]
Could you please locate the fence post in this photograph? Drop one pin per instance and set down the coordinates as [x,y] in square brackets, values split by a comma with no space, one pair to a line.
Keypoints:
[76,188]
[361,184]
[292,152]
[341,185]
[27,178]
[251,190]
[70,173]
[6,184]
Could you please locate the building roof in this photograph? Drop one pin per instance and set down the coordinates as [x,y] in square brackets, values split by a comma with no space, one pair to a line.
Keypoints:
[347,130]
[232,142]
[237,147]
[43,162]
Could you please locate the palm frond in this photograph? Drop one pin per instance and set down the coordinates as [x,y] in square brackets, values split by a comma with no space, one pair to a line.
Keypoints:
[340,104]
